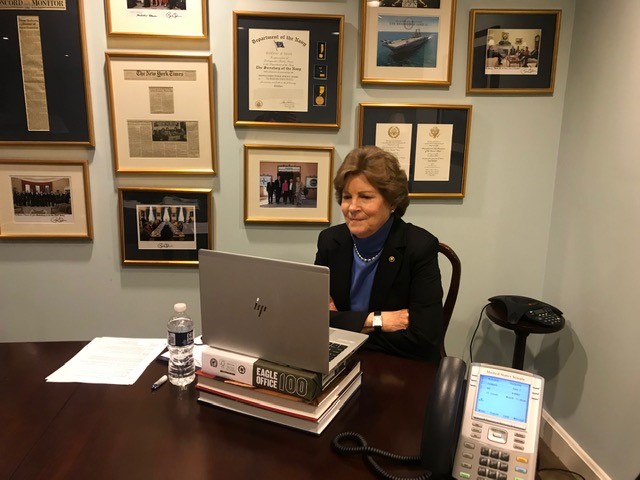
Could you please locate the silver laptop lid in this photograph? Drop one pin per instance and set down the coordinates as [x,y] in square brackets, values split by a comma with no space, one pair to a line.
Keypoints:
[271,309]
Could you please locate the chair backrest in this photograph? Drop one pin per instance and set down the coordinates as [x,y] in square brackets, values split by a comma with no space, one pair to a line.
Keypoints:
[452,291]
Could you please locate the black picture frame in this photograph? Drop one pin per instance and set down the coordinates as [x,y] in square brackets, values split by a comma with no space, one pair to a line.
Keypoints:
[497,59]
[188,215]
[66,80]
[447,171]
[324,69]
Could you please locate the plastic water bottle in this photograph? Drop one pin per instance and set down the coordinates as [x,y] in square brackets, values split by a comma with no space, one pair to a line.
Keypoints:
[180,340]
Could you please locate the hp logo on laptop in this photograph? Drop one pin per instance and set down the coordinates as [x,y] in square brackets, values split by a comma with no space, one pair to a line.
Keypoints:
[258,307]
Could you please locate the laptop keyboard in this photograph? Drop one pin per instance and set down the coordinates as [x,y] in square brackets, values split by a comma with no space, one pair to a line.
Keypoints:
[335,349]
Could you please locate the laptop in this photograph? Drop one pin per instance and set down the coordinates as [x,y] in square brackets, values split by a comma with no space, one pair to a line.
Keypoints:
[272,309]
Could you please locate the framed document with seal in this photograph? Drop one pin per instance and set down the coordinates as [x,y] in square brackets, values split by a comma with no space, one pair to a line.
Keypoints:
[288,69]
[430,141]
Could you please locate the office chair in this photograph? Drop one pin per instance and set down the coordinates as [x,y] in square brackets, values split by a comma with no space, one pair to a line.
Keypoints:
[452,292]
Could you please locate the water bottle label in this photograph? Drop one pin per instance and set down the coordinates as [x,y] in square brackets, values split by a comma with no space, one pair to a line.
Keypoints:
[180,339]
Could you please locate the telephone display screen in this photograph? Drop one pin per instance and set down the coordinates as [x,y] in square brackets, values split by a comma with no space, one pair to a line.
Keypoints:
[503,398]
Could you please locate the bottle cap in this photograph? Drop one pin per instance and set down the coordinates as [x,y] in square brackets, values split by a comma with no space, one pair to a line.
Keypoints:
[180,307]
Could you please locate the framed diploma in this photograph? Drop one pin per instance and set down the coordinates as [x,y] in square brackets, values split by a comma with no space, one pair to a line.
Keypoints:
[45,199]
[288,69]
[157,18]
[287,184]
[164,225]
[430,141]
[512,51]
[407,42]
[45,95]
[161,109]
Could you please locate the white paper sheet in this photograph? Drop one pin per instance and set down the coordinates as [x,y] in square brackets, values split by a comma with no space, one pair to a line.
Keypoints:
[112,360]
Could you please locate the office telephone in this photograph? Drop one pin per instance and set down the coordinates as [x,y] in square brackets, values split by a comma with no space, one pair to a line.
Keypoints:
[518,308]
[483,427]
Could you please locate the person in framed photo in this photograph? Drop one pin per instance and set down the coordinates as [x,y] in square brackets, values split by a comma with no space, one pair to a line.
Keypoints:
[384,274]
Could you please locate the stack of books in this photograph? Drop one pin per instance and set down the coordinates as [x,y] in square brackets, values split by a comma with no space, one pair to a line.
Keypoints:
[273,392]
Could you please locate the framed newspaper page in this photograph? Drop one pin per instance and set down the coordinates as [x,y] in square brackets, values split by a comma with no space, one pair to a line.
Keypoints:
[407,42]
[164,225]
[287,184]
[512,51]
[45,199]
[288,69]
[45,96]
[161,109]
[430,141]
[157,18]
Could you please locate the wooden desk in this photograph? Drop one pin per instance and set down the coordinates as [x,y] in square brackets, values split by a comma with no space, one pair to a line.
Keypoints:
[81,431]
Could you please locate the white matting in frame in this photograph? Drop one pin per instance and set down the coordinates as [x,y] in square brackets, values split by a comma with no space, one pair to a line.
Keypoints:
[166,18]
[45,199]
[161,113]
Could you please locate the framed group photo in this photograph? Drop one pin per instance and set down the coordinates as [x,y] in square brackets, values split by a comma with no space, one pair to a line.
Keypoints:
[288,69]
[45,97]
[157,18]
[512,51]
[407,42]
[45,199]
[287,184]
[161,109]
[431,143]
[164,225]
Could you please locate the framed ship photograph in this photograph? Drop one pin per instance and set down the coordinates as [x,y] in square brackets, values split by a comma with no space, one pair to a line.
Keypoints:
[164,225]
[45,199]
[45,96]
[287,184]
[512,51]
[288,69]
[430,141]
[157,18]
[161,109]
[407,42]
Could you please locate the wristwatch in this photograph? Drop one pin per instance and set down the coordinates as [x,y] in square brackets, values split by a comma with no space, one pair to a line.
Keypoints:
[377,322]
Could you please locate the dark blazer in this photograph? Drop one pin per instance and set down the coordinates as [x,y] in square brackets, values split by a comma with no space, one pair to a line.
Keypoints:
[408,276]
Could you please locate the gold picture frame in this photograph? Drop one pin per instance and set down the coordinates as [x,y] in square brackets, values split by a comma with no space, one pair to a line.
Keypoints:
[268,173]
[405,45]
[162,113]
[45,199]
[157,18]
[164,226]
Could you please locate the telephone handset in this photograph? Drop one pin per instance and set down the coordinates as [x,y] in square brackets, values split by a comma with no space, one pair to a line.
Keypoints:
[485,427]
[518,308]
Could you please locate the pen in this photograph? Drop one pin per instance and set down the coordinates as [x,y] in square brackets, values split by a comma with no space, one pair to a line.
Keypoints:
[159,382]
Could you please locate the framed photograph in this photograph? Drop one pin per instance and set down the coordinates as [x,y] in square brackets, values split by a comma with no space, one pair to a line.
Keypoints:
[297,188]
[45,199]
[430,141]
[164,225]
[157,18]
[45,96]
[161,109]
[288,69]
[408,42]
[512,51]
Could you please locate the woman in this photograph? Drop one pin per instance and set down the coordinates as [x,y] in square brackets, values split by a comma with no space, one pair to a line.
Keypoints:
[380,265]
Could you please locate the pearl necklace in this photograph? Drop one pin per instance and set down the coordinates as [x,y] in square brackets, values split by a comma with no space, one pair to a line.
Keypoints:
[365,260]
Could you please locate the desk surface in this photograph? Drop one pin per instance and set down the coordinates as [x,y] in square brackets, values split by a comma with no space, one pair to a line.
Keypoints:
[80,431]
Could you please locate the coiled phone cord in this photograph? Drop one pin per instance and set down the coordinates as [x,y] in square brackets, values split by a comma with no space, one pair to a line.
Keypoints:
[369,452]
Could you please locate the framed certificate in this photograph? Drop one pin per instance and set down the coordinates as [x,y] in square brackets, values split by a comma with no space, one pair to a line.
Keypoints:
[287,184]
[407,42]
[164,225]
[161,113]
[157,18]
[512,51]
[45,199]
[45,95]
[288,69]
[430,141]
